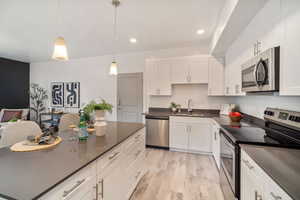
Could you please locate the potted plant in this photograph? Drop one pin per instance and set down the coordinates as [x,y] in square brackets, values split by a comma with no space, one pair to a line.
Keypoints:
[173,106]
[99,110]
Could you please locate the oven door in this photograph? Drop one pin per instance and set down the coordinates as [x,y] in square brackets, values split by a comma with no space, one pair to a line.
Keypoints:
[228,163]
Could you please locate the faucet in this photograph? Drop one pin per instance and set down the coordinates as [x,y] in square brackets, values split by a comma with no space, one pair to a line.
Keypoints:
[189,105]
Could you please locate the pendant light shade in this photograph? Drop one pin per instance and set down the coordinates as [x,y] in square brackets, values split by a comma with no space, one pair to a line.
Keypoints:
[113,68]
[60,49]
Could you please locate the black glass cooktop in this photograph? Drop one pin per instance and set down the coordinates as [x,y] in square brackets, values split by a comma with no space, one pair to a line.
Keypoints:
[258,136]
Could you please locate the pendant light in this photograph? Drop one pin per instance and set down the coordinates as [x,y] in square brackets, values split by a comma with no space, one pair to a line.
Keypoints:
[60,48]
[114,65]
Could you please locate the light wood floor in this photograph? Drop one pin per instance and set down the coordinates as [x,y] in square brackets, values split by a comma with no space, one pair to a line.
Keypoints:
[178,176]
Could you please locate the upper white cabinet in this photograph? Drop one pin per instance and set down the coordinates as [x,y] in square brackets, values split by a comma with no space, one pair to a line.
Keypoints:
[290,48]
[190,134]
[158,75]
[215,77]
[190,70]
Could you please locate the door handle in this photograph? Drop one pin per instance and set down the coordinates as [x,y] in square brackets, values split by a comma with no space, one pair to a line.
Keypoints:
[102,188]
[257,196]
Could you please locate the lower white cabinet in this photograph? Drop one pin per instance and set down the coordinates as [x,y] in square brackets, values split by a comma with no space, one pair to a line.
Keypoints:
[256,184]
[216,143]
[113,176]
[190,134]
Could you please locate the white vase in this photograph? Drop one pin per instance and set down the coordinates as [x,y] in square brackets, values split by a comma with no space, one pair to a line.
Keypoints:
[100,122]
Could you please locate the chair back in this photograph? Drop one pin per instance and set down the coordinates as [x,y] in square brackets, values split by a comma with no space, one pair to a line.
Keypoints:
[14,132]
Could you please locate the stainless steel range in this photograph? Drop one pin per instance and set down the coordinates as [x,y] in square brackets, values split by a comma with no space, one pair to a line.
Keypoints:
[281,129]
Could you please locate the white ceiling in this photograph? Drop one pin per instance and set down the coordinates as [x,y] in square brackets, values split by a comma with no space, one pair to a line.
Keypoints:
[28,28]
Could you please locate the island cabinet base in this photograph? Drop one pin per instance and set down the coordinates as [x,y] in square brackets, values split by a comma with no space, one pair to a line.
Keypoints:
[113,176]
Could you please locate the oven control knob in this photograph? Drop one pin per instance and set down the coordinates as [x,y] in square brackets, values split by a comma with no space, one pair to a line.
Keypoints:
[270,113]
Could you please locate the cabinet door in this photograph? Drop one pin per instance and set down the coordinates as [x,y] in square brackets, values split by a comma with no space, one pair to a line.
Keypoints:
[290,70]
[163,77]
[200,137]
[198,70]
[179,71]
[178,136]
[215,78]
[151,74]
[216,145]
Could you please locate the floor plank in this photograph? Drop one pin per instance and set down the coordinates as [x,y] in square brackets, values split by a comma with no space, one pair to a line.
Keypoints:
[178,176]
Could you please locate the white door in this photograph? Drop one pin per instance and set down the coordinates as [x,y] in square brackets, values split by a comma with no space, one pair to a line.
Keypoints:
[200,137]
[198,70]
[130,97]
[179,71]
[215,77]
[178,136]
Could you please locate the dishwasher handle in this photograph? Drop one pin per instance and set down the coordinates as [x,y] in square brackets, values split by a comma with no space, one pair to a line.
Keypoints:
[157,117]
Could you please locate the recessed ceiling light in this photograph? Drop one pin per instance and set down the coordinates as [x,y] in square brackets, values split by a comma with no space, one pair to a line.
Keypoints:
[133,40]
[200,31]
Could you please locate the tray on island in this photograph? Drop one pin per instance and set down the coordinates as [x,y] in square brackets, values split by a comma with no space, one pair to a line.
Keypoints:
[26,146]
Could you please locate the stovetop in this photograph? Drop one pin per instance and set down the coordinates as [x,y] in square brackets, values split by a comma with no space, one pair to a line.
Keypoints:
[248,134]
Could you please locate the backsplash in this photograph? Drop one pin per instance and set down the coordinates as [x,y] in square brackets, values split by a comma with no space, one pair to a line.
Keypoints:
[181,94]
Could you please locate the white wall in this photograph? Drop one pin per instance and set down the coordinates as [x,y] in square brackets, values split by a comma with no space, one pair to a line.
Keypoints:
[265,27]
[181,94]
[93,73]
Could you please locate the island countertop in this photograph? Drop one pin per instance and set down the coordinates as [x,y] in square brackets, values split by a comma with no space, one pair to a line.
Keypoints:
[29,175]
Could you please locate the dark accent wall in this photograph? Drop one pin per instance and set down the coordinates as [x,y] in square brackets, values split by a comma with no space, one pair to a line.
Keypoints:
[14,84]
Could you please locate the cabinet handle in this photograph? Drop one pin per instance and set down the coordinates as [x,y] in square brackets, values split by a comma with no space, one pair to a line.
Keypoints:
[115,154]
[137,175]
[257,196]
[247,164]
[102,188]
[275,197]
[96,188]
[215,135]
[67,192]
[137,137]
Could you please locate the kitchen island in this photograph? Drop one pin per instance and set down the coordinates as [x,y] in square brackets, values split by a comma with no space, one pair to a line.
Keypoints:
[59,172]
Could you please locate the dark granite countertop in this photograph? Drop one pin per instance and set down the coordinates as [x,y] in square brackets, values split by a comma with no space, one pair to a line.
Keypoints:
[166,112]
[29,175]
[281,164]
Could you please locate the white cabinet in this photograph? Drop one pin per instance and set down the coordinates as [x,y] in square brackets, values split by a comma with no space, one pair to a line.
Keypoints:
[191,70]
[215,77]
[290,48]
[256,184]
[216,142]
[113,176]
[158,75]
[233,80]
[179,71]
[190,134]
[198,69]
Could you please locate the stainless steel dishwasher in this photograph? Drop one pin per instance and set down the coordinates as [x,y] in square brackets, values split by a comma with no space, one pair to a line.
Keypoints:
[157,132]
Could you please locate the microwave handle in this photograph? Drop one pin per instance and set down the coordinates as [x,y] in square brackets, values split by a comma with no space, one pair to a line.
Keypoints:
[254,74]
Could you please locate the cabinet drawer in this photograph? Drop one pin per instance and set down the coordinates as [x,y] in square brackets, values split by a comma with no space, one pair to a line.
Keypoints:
[74,187]
[274,192]
[251,166]
[189,119]
[110,159]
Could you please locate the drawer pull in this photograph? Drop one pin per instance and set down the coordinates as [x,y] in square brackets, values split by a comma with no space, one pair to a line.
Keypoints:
[115,154]
[102,188]
[275,197]
[137,175]
[67,192]
[247,164]
[137,137]
[138,153]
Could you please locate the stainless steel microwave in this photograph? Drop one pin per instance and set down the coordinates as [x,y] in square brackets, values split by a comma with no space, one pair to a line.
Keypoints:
[261,73]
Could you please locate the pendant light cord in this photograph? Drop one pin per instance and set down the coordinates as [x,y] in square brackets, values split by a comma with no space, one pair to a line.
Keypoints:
[115,32]
[58,17]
